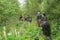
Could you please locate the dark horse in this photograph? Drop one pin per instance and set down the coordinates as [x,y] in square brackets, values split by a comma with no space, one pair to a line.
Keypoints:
[28,18]
[43,22]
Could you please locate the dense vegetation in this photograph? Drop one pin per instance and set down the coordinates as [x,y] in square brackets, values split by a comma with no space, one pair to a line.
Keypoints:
[10,10]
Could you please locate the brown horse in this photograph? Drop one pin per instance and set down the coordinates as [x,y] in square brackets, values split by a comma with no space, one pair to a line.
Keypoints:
[21,18]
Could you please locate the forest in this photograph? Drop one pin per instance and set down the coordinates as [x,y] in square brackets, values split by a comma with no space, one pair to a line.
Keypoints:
[11,28]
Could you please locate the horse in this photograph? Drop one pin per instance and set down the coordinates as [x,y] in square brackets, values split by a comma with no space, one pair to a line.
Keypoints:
[43,22]
[21,18]
[28,18]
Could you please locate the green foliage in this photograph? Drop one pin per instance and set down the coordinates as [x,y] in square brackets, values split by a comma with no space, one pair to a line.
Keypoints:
[50,6]
[10,10]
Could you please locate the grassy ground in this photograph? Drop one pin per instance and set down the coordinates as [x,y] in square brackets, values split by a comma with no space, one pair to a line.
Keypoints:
[19,30]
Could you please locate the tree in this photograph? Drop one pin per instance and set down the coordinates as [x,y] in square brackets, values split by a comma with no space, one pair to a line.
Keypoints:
[8,8]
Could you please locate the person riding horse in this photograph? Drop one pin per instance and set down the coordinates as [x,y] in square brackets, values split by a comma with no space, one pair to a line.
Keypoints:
[43,22]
